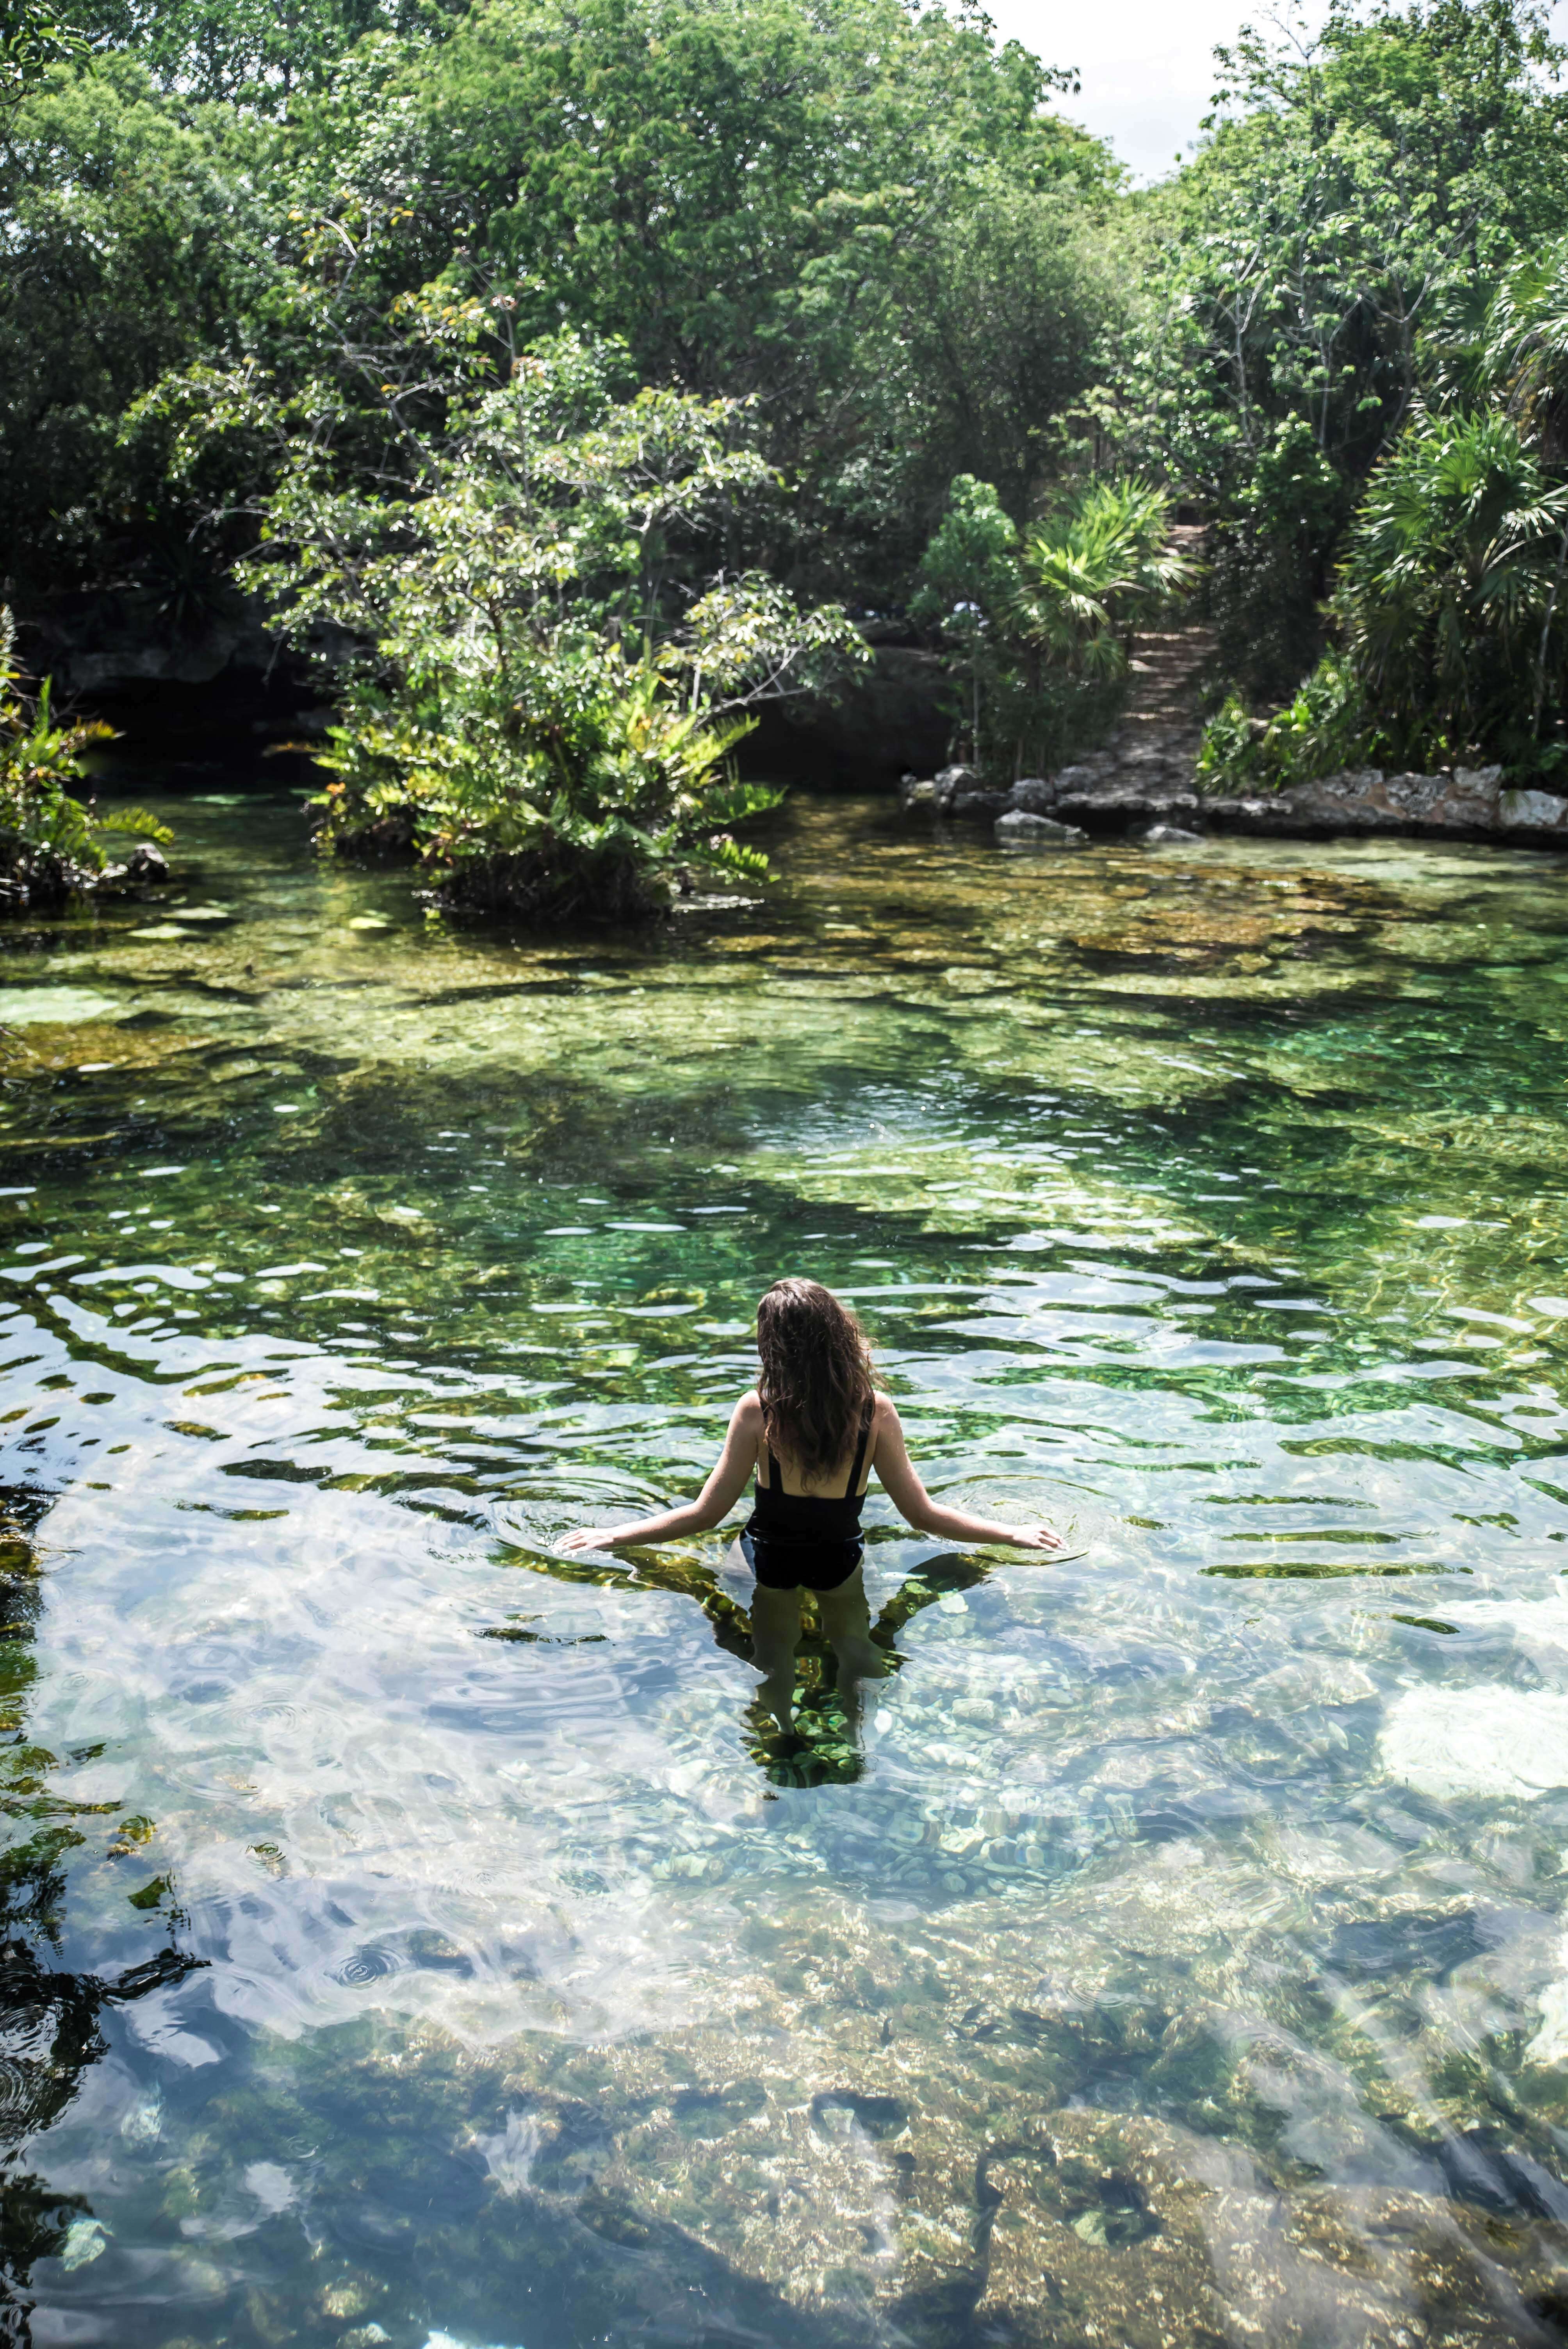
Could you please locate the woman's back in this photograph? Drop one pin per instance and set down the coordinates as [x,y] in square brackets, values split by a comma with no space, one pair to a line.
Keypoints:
[811,1533]
[850,1473]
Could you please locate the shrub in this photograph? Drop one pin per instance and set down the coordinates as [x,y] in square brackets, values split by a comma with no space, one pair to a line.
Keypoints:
[1038,627]
[1326,726]
[51,843]
[1450,600]
[539,690]
[580,796]
[1449,614]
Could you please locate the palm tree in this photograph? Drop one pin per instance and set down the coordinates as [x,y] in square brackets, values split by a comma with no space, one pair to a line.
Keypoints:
[1522,358]
[1527,342]
[1093,572]
[1449,594]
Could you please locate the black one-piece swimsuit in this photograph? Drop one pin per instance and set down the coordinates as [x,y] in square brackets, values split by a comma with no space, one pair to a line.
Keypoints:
[802,1540]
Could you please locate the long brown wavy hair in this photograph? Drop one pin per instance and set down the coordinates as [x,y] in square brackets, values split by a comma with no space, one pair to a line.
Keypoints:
[817,1380]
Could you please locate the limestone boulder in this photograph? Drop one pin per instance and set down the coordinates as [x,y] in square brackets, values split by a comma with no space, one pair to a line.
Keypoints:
[1532,810]
[1034,795]
[952,782]
[1018,829]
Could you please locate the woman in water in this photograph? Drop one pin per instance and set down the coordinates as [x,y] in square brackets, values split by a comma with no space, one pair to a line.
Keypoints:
[810,1430]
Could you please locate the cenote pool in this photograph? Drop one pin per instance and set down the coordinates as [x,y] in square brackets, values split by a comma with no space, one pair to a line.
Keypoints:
[418,1937]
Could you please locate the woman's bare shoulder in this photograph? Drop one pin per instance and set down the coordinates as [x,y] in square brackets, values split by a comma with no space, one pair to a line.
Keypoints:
[884,1416]
[748,1412]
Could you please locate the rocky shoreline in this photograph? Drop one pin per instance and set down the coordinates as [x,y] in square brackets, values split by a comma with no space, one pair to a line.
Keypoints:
[1097,799]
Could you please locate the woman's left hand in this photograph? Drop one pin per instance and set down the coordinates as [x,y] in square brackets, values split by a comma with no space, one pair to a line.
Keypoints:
[592,1538]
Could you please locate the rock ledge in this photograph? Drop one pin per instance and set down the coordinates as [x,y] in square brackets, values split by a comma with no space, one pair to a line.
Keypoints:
[1101,799]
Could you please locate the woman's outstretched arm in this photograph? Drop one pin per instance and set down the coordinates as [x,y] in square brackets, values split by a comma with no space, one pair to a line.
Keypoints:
[911,1499]
[713,1504]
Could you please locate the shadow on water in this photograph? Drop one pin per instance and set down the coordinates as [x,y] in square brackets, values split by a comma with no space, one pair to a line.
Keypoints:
[826,1747]
[51,2018]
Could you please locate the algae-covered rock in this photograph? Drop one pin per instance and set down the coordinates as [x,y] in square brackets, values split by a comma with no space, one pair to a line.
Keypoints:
[1018,829]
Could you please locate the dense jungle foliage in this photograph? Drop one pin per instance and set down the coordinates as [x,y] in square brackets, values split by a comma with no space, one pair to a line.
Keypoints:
[563,372]
[51,845]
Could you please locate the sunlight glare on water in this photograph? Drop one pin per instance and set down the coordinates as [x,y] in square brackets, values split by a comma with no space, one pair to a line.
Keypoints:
[418,1936]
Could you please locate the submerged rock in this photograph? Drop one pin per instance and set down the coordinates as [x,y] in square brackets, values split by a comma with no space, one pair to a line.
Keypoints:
[1020,830]
[1123,812]
[1167,835]
[1491,1742]
[959,790]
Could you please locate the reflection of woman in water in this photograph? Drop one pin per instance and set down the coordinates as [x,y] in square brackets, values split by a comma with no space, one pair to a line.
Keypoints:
[811,1431]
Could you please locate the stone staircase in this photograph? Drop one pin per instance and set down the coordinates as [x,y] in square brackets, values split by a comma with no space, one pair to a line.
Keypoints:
[1155,744]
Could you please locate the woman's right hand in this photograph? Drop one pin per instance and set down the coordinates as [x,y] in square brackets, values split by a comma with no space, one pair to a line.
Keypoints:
[1033,1538]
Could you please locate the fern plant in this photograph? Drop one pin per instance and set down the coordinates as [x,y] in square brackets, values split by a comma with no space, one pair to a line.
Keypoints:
[52,844]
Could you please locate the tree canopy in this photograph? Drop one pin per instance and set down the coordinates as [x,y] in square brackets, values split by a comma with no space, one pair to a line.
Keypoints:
[872,228]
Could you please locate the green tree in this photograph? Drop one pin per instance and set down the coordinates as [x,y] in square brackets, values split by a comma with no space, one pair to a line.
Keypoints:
[1449,599]
[868,221]
[1450,615]
[249,53]
[137,236]
[1520,357]
[538,694]
[1354,191]
[33,34]
[869,218]
[966,587]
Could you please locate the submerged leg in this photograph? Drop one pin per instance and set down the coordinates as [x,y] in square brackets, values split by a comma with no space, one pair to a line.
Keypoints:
[847,1627]
[775,1635]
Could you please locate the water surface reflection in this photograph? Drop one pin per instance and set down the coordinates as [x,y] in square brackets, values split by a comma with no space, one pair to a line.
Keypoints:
[414,1931]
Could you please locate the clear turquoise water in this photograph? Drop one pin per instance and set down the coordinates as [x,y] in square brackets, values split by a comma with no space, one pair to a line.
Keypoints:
[415,1933]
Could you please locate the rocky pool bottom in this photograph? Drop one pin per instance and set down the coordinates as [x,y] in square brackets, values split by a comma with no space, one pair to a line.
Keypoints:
[416,1935]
